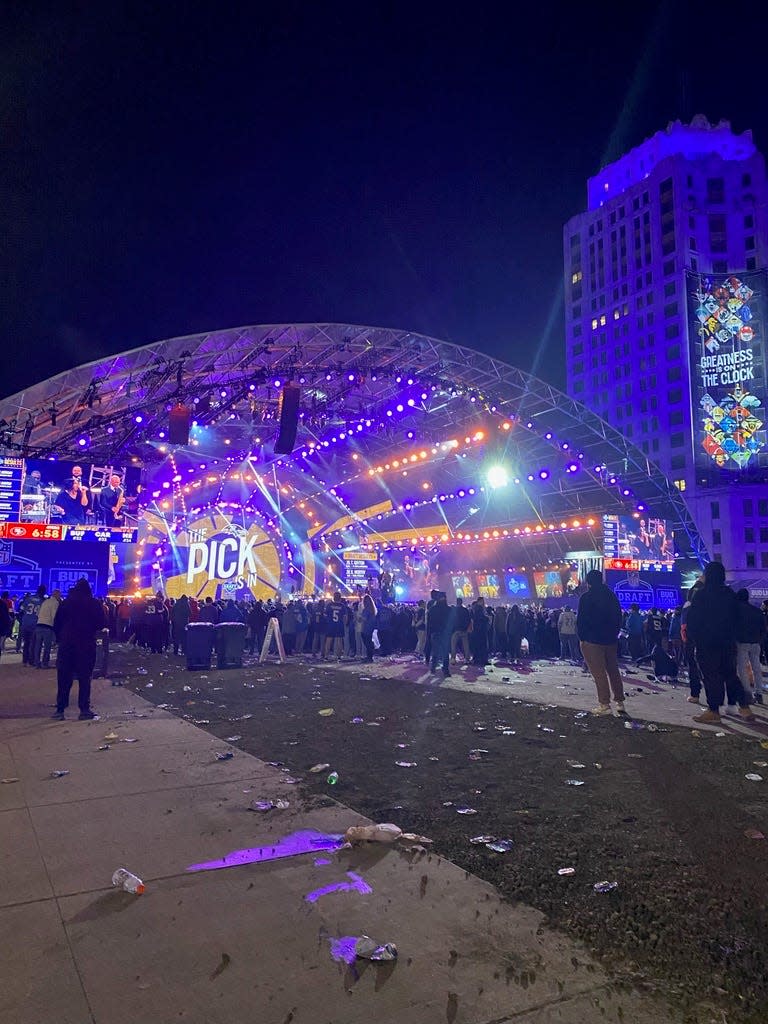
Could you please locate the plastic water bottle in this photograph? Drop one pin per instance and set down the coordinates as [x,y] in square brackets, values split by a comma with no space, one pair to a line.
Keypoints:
[333,778]
[124,879]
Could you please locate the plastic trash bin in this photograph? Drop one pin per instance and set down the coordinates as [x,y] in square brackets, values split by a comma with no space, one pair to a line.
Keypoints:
[230,643]
[198,644]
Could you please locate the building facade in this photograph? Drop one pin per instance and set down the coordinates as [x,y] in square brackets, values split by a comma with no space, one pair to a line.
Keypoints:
[665,309]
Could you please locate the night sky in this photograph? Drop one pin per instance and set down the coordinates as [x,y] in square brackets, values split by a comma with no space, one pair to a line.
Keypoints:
[173,168]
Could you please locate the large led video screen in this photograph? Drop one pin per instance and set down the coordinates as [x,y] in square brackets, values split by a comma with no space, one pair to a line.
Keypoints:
[410,574]
[517,586]
[488,585]
[727,317]
[462,585]
[646,540]
[26,565]
[645,589]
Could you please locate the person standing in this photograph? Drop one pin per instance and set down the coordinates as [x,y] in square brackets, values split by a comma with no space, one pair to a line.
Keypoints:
[72,502]
[460,632]
[439,626]
[569,643]
[750,634]
[689,650]
[28,612]
[302,621]
[179,622]
[711,624]
[634,627]
[515,632]
[5,623]
[79,620]
[111,501]
[367,625]
[480,630]
[44,630]
[420,625]
[598,622]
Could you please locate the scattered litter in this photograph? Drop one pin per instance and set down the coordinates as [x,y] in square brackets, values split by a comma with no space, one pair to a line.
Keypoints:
[574,782]
[383,833]
[321,862]
[269,805]
[633,725]
[129,739]
[332,779]
[201,721]
[466,810]
[358,884]
[319,768]
[124,879]
[447,803]
[482,840]
[575,764]
[225,755]
[720,734]
[635,755]
[753,777]
[754,833]
[501,845]
[7,782]
[59,773]
[141,671]
[566,871]
[367,948]
[225,961]
[357,720]
[760,764]
[290,781]
[233,739]
[148,686]
[325,712]
[187,689]
[605,886]
[111,737]
[104,746]
[764,744]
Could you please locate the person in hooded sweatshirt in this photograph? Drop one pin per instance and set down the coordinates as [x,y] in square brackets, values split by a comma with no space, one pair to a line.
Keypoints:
[598,622]
[79,620]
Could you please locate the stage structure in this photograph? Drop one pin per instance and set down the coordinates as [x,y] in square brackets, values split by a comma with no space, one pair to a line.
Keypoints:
[413,459]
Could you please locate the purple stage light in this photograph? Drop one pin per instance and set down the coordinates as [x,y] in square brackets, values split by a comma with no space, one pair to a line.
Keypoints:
[138,418]
[82,441]
[543,474]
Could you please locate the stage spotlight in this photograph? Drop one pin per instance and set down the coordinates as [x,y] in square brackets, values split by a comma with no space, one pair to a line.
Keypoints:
[497,476]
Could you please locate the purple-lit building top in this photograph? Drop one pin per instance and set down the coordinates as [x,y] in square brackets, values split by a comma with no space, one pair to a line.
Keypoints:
[664,299]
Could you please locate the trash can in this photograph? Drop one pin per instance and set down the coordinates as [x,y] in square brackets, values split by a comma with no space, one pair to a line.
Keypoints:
[198,644]
[230,643]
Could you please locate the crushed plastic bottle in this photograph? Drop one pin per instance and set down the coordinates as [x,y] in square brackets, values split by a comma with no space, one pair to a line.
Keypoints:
[124,879]
[367,948]
[59,773]
[605,886]
[574,782]
[225,755]
[566,871]
[333,778]
[501,845]
[319,768]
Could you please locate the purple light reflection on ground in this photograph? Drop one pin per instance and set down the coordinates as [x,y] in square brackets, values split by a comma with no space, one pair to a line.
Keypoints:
[320,862]
[307,841]
[344,948]
[358,884]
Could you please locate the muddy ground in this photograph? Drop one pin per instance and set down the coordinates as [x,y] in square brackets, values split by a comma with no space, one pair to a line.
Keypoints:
[664,814]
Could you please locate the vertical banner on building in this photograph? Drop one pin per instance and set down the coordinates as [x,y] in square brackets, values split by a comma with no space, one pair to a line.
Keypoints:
[727,322]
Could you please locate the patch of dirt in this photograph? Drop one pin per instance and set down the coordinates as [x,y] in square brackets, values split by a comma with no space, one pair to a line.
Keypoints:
[663,814]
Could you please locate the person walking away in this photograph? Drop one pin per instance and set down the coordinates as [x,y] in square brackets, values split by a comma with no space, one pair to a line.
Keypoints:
[289,628]
[712,623]
[674,637]
[44,630]
[439,626]
[427,628]
[420,625]
[28,611]
[179,622]
[335,622]
[367,625]
[598,622]
[634,627]
[302,621]
[460,632]
[566,628]
[500,631]
[78,622]
[750,634]
[5,623]
[480,626]
[515,632]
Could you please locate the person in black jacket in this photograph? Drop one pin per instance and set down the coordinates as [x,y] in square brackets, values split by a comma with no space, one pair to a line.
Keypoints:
[711,625]
[79,619]
[598,622]
[439,622]
[750,634]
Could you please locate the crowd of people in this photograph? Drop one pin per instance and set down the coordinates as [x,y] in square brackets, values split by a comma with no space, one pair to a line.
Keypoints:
[595,636]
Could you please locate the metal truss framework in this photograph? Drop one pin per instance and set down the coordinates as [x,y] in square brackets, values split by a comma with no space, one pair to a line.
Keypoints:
[232,375]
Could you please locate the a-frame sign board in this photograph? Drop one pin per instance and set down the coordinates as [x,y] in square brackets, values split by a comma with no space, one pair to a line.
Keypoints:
[273,632]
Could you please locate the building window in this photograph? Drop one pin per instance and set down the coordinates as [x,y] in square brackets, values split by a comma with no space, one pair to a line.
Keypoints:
[670,310]
[764,534]
[719,266]
[676,462]
[674,373]
[576,330]
[673,352]
[715,190]
[677,440]
[669,267]
[718,238]
[751,263]
[676,418]
[749,221]
[749,535]
[714,509]
[750,560]
[679,484]
[749,242]
[762,507]
[747,507]
[578,349]
[594,324]
[764,560]
[576,277]
[669,289]
[746,180]
[671,330]
[716,537]
[578,387]
[675,396]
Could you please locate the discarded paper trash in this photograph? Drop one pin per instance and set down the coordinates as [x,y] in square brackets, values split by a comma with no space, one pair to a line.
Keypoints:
[325,712]
[605,886]
[753,777]
[367,948]
[225,755]
[58,773]
[566,871]
[319,767]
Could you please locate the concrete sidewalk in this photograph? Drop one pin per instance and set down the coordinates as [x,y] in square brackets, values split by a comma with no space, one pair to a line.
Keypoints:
[242,943]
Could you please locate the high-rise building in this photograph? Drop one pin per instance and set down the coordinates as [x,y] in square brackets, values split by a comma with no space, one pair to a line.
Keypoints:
[665,323]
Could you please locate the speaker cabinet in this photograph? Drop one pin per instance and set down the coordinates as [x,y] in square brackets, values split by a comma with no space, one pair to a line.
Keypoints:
[288,415]
[178,424]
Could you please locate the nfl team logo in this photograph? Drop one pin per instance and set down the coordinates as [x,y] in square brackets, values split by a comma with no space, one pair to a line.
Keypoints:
[6,552]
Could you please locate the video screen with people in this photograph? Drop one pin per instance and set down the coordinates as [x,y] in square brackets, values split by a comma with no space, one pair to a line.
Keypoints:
[409,575]
[463,586]
[488,585]
[78,493]
[645,539]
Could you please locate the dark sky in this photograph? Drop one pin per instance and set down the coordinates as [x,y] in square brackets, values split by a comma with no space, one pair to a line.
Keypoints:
[173,168]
